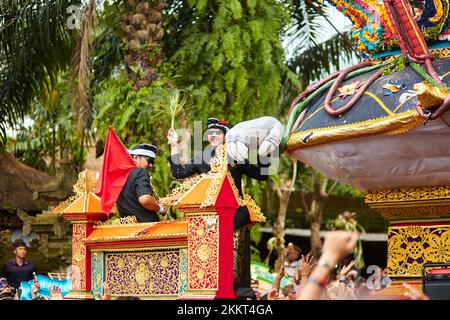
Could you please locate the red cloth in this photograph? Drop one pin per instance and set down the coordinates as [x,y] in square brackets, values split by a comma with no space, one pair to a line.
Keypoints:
[117,165]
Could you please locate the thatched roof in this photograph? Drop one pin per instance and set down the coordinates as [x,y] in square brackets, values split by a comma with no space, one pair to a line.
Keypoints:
[15,178]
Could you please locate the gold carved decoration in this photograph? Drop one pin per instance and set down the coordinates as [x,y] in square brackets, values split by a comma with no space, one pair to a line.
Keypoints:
[78,257]
[409,247]
[137,237]
[119,221]
[203,252]
[410,202]
[408,194]
[389,125]
[259,216]
[203,259]
[141,275]
[181,190]
[83,187]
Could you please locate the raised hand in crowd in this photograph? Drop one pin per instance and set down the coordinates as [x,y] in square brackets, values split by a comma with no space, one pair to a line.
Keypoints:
[337,245]
[6,291]
[415,294]
[107,293]
[280,275]
[305,269]
[340,292]
[346,268]
[273,294]
[35,289]
[55,292]
[172,137]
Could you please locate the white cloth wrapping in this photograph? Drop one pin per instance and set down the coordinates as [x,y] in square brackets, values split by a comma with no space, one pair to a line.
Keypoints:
[418,158]
[263,133]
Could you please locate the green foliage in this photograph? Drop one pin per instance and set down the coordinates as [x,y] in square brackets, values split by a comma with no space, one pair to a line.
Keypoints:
[107,44]
[50,133]
[131,113]
[137,117]
[342,189]
[231,54]
[255,238]
[316,54]
[396,64]
[322,59]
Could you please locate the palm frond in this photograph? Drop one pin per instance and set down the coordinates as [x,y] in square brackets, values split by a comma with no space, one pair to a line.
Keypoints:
[306,30]
[329,56]
[107,43]
[35,45]
[80,71]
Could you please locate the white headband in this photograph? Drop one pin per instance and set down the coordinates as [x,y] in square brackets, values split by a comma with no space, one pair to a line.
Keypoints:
[142,152]
[211,126]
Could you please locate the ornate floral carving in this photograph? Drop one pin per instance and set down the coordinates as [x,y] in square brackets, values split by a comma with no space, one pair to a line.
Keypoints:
[203,259]
[410,202]
[78,257]
[183,270]
[407,194]
[97,276]
[119,221]
[259,216]
[409,247]
[141,275]
[181,190]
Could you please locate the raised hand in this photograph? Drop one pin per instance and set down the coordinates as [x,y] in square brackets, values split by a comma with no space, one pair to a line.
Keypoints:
[307,265]
[172,137]
[273,294]
[345,269]
[337,245]
[35,287]
[55,292]
[338,292]
[282,271]
[107,293]
[267,131]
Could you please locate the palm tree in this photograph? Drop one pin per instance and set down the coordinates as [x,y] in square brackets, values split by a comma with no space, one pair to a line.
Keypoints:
[316,54]
[142,25]
[35,46]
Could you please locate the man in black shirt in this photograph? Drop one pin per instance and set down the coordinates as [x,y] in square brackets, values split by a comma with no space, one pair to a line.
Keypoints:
[18,269]
[136,198]
[216,132]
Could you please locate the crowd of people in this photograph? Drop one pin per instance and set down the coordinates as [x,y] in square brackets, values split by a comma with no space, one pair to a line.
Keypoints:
[327,278]
[330,277]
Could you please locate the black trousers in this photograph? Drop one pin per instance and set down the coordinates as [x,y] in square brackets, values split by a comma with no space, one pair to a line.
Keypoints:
[241,221]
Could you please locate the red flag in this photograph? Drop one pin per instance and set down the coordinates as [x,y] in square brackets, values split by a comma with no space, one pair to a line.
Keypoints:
[117,165]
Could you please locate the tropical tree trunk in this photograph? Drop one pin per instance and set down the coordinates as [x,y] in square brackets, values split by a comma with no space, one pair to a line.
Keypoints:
[53,165]
[142,25]
[280,225]
[316,213]
[319,189]
[284,189]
